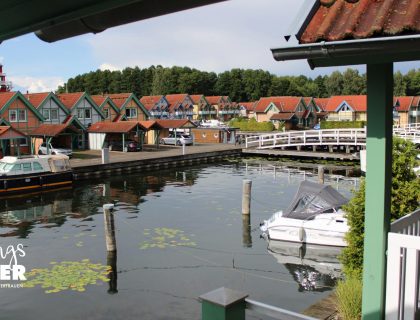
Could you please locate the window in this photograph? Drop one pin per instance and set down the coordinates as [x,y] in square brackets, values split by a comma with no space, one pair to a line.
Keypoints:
[80,113]
[87,114]
[46,114]
[27,167]
[131,112]
[17,115]
[54,114]
[17,167]
[37,166]
[106,113]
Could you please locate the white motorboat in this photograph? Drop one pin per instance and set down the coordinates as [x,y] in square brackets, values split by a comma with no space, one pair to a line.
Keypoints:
[314,217]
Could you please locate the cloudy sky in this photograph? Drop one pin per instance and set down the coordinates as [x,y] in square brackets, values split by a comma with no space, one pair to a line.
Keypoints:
[219,37]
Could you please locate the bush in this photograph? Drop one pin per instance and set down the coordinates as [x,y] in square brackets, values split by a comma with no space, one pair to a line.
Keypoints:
[405,197]
[342,124]
[349,298]
[251,124]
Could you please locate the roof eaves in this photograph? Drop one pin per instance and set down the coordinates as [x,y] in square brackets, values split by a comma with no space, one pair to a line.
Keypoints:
[348,52]
[304,16]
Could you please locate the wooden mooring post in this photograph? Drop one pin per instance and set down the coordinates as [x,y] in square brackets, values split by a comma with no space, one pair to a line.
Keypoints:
[246,231]
[321,176]
[111,244]
[246,197]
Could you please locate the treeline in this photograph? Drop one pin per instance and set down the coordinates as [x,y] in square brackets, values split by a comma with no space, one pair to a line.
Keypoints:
[239,84]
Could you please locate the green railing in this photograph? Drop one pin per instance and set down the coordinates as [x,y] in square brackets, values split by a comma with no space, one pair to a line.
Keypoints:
[228,304]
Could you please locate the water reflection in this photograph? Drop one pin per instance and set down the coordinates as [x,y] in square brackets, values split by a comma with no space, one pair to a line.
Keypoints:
[313,267]
[18,215]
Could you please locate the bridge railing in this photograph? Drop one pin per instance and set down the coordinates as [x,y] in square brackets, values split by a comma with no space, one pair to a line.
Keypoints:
[402,296]
[308,137]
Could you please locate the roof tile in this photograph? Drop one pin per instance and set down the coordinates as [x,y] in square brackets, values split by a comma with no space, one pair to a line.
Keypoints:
[358,19]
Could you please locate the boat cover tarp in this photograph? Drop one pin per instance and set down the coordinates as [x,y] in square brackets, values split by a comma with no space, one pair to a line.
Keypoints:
[313,198]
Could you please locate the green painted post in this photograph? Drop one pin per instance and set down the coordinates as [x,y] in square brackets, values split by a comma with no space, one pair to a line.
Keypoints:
[223,304]
[378,188]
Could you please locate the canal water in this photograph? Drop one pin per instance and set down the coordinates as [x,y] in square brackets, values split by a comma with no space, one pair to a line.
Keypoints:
[179,233]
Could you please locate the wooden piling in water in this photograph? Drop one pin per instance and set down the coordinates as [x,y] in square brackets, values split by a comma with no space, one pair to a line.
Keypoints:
[246,197]
[246,231]
[111,244]
[321,176]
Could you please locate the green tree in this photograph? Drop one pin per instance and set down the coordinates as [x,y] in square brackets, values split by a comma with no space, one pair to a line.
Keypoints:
[405,198]
[400,84]
[334,84]
[353,82]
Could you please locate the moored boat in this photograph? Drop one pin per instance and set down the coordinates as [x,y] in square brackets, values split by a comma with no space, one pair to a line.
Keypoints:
[314,217]
[34,173]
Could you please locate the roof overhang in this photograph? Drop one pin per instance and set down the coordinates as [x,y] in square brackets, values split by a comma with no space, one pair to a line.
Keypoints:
[57,20]
[352,52]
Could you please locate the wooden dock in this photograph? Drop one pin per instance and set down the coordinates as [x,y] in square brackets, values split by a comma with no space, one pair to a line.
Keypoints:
[301,154]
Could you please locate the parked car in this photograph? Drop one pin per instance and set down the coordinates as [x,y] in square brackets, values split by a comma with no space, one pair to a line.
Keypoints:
[180,139]
[132,146]
[54,150]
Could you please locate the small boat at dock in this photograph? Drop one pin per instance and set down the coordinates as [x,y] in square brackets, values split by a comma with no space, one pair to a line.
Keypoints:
[33,173]
[313,217]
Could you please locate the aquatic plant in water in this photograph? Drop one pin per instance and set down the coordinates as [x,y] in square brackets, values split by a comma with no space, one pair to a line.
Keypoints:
[165,237]
[67,275]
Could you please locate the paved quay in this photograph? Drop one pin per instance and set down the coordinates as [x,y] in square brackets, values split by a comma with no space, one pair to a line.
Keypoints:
[94,157]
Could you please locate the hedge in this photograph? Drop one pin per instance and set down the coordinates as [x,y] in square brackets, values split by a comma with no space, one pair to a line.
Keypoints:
[342,124]
[251,125]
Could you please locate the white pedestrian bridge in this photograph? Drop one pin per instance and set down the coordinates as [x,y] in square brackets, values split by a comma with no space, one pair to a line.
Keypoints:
[327,137]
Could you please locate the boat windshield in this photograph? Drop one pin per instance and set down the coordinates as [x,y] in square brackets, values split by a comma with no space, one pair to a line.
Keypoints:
[5,167]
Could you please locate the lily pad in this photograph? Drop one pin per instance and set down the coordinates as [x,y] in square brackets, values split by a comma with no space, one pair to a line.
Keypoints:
[67,275]
[165,237]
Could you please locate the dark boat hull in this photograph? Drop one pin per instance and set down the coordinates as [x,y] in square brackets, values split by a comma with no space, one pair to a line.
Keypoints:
[34,182]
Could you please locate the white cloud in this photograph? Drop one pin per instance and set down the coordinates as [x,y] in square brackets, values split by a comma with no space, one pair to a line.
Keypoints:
[38,84]
[110,67]
[232,34]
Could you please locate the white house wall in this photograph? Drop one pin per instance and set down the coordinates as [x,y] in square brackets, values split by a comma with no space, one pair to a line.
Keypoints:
[95,116]
[50,104]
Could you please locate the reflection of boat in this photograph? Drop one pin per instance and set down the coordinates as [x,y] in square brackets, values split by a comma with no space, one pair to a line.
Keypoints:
[31,173]
[314,217]
[313,267]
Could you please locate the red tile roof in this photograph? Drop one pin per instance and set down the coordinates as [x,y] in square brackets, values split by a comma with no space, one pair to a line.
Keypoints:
[416,101]
[114,127]
[7,132]
[69,99]
[321,102]
[52,130]
[175,100]
[36,99]
[150,101]
[214,99]
[150,124]
[358,19]
[196,98]
[284,104]
[119,98]
[249,106]
[357,103]
[5,97]
[404,103]
[282,116]
[98,99]
[181,123]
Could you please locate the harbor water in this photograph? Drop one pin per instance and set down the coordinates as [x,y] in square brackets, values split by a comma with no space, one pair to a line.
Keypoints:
[179,234]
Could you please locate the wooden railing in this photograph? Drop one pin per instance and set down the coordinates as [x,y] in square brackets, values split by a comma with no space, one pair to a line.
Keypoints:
[402,295]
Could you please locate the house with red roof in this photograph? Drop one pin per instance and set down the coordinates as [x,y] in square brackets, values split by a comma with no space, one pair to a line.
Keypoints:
[293,111]
[108,108]
[407,110]
[347,108]
[203,110]
[83,112]
[16,111]
[246,109]
[157,106]
[181,106]
[48,104]
[222,104]
[130,107]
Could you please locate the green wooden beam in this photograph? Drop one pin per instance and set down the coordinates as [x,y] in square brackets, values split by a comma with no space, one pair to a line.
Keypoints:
[378,187]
